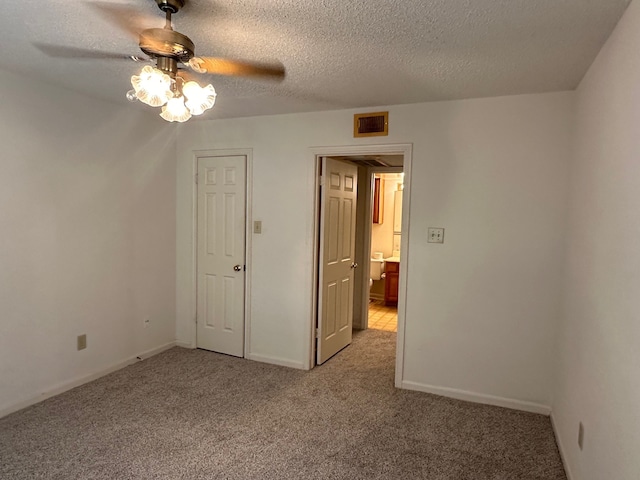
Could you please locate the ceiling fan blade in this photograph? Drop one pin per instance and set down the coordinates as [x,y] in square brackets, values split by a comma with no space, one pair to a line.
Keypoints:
[225,66]
[60,51]
[126,18]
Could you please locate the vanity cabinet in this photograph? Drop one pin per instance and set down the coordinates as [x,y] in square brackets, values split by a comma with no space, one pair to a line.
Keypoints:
[391,283]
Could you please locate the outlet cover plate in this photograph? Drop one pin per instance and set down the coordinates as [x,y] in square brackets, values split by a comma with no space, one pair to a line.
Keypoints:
[82,341]
[435,235]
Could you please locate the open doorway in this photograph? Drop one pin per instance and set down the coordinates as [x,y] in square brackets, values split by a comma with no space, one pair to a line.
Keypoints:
[372,162]
[385,251]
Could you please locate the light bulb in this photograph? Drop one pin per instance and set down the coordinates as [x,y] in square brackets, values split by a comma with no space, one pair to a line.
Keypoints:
[199,99]
[131,96]
[152,86]
[175,111]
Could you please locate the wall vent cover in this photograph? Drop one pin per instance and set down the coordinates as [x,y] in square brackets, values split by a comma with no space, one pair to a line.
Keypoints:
[371,124]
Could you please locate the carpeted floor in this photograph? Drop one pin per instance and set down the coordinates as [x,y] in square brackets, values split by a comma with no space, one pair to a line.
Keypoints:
[191,414]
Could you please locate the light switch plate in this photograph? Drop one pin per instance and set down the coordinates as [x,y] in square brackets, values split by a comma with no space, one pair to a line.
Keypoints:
[257,226]
[435,235]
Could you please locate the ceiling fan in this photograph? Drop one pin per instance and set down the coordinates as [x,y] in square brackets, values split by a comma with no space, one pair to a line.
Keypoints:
[167,84]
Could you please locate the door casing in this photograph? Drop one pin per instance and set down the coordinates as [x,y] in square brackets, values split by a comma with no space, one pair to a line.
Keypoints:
[197,154]
[406,151]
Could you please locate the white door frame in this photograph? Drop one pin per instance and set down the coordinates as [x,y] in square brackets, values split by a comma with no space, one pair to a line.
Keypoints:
[197,154]
[406,150]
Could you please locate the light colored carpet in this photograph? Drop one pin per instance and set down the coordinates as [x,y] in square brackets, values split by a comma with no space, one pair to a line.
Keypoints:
[191,414]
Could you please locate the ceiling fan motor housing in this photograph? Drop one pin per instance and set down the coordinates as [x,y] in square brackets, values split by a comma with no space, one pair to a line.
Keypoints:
[171,6]
[161,42]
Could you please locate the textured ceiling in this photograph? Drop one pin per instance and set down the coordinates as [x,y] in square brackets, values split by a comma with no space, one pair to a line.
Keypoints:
[338,53]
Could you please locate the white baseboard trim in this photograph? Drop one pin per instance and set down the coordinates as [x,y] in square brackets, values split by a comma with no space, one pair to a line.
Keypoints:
[478,398]
[154,351]
[283,362]
[561,449]
[185,345]
[376,296]
[76,382]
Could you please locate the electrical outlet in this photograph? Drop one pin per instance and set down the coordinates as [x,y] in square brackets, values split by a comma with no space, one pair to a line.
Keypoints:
[435,235]
[257,226]
[580,435]
[82,341]
[147,322]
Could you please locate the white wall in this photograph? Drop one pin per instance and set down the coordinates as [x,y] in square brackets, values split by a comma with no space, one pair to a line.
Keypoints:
[87,243]
[599,375]
[363,216]
[482,309]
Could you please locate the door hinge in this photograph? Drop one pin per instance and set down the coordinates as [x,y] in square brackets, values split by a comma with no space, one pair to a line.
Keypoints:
[317,333]
[321,180]
[196,177]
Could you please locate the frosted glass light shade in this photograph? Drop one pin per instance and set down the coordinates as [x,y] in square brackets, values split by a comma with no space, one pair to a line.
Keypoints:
[176,111]
[199,99]
[152,86]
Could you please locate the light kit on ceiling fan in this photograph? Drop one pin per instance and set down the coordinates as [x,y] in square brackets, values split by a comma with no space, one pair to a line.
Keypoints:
[166,84]
[180,100]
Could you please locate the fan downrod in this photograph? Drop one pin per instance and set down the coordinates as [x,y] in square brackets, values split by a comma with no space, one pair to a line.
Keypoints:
[171,6]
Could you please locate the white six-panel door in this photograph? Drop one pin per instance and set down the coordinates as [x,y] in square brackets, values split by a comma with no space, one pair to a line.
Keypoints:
[221,254]
[337,257]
